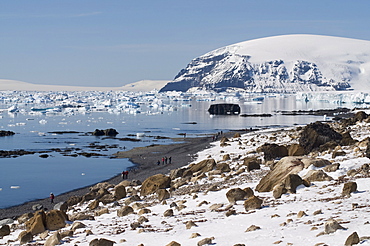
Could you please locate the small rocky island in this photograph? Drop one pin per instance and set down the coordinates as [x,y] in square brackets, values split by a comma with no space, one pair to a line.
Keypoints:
[224,109]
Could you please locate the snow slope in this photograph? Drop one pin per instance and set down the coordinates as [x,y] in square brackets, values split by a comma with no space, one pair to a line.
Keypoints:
[285,63]
[143,85]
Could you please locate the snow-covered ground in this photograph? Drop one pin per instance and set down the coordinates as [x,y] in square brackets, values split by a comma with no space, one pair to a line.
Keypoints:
[143,85]
[277,222]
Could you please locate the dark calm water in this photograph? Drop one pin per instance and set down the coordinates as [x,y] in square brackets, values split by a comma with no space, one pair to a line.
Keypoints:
[30,177]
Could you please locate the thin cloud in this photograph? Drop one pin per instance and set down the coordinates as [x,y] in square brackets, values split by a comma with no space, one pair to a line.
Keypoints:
[87,14]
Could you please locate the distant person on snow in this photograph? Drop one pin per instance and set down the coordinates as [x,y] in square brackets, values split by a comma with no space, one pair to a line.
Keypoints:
[52,198]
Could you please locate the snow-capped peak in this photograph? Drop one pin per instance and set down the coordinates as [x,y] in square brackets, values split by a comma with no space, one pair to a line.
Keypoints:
[288,63]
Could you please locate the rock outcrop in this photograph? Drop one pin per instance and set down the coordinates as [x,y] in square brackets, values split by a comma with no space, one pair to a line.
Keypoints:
[317,134]
[287,165]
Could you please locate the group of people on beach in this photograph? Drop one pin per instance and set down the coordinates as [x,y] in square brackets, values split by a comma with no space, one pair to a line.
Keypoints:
[124,174]
[215,137]
[165,160]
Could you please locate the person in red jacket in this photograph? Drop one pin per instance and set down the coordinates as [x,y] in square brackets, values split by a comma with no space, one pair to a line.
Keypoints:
[52,198]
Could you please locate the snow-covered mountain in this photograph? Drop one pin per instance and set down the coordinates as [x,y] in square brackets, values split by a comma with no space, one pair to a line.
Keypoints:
[284,64]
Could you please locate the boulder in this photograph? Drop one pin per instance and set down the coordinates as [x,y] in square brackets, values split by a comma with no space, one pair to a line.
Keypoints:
[332,226]
[73,200]
[62,206]
[107,198]
[252,163]
[316,162]
[235,194]
[153,183]
[168,213]
[93,205]
[163,194]
[316,134]
[252,203]
[287,165]
[67,233]
[77,225]
[348,188]
[102,211]
[205,241]
[317,175]
[223,167]
[291,182]
[203,166]
[6,221]
[124,211]
[352,239]
[347,139]
[36,225]
[80,216]
[278,191]
[53,239]
[226,157]
[119,192]
[55,220]
[24,217]
[101,185]
[249,192]
[337,153]
[101,242]
[173,243]
[135,182]
[177,173]
[367,151]
[360,116]
[224,141]
[37,207]
[295,150]
[273,151]
[4,230]
[132,199]
[25,237]
[331,168]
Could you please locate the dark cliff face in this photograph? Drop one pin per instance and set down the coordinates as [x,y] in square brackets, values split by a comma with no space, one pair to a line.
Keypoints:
[227,70]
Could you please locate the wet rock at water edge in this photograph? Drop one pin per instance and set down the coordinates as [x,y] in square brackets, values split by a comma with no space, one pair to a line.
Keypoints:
[106,132]
[6,133]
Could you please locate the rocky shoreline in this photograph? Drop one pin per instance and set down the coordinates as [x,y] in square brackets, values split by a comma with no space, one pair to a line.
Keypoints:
[144,158]
[261,188]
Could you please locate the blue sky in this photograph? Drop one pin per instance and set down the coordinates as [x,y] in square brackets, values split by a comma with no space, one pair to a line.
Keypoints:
[115,42]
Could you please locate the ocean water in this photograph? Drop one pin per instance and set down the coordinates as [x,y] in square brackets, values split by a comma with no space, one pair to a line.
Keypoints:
[30,177]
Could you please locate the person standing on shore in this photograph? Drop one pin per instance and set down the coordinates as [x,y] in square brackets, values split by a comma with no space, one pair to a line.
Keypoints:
[169,160]
[52,198]
[158,162]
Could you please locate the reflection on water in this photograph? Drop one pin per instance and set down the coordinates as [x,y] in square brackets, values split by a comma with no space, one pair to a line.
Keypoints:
[31,177]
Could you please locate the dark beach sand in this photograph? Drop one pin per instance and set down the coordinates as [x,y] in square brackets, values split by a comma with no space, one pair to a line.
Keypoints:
[145,158]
